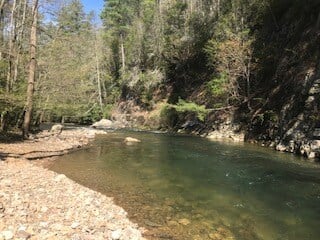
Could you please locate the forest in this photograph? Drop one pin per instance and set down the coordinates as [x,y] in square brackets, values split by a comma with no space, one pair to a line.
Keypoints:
[176,62]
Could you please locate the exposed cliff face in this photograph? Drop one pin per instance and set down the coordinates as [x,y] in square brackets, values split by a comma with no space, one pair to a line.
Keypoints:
[289,89]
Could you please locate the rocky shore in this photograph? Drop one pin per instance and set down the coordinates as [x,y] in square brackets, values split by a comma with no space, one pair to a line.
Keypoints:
[36,203]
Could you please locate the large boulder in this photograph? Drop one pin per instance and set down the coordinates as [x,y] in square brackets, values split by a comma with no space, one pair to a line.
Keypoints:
[103,123]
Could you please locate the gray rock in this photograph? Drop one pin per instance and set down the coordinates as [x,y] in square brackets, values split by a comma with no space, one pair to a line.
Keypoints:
[103,123]
[115,235]
[60,177]
[305,150]
[291,147]
[57,128]
[74,225]
[315,146]
[131,140]
[312,155]
[280,147]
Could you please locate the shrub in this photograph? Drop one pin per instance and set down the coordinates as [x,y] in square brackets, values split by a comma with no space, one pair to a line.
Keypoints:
[184,106]
[170,112]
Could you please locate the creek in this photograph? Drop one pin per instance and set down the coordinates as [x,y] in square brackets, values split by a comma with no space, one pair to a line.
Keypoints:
[184,187]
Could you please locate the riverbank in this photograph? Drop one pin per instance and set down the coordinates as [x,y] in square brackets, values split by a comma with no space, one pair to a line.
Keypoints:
[36,203]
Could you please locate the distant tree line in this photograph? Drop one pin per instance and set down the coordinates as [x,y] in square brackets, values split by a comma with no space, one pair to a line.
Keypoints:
[58,64]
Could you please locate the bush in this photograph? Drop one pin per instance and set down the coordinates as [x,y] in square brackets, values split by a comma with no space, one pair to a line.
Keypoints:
[170,112]
[217,86]
[107,111]
[199,110]
[168,116]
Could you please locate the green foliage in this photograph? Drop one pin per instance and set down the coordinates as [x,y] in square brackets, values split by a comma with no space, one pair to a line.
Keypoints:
[107,110]
[168,116]
[93,115]
[217,86]
[184,107]
[71,18]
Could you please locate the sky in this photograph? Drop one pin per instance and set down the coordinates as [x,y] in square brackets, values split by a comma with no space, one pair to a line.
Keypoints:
[95,5]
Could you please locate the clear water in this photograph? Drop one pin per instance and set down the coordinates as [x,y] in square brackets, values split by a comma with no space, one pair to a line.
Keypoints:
[224,191]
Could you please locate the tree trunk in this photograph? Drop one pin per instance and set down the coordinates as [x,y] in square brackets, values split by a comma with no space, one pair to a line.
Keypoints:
[20,35]
[1,26]
[12,37]
[32,70]
[98,73]
[123,59]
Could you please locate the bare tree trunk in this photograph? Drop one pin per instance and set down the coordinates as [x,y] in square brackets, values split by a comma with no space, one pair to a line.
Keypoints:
[11,46]
[20,35]
[122,53]
[98,72]
[32,69]
[1,27]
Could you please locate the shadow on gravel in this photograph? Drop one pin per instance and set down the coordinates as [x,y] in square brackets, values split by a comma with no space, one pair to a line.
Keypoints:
[10,137]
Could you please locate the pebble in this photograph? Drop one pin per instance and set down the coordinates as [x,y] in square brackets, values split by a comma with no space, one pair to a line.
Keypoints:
[23,235]
[115,235]
[74,225]
[7,235]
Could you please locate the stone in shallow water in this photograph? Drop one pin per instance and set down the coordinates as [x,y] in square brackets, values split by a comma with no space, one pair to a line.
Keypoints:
[184,221]
[131,140]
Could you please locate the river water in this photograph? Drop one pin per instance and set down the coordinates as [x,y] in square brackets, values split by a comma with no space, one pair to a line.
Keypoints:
[183,187]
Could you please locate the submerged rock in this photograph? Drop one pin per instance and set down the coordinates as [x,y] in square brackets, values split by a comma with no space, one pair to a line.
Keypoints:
[131,140]
[184,221]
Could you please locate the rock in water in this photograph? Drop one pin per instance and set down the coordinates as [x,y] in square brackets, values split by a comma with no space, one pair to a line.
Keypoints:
[103,123]
[131,140]
[184,221]
[57,128]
